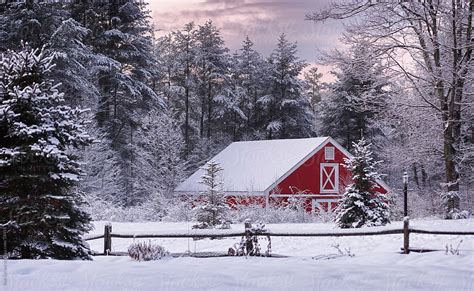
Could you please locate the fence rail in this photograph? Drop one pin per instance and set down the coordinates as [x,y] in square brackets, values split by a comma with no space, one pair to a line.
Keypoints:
[199,234]
[441,232]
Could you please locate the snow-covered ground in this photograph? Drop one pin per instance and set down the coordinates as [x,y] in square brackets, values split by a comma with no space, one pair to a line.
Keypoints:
[377,264]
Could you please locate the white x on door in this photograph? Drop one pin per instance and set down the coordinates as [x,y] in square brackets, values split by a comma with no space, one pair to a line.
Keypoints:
[329,178]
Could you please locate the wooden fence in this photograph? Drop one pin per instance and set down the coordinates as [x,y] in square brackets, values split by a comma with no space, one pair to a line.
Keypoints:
[199,234]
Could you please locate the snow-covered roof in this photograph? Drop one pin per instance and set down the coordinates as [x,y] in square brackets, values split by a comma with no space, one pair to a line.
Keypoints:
[254,166]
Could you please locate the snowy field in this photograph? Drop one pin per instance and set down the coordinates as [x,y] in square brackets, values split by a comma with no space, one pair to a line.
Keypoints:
[377,264]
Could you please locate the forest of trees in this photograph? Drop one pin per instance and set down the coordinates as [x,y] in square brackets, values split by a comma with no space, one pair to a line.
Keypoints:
[159,107]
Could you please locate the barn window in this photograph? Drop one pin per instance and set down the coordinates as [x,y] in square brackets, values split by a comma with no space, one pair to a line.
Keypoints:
[329,153]
[329,178]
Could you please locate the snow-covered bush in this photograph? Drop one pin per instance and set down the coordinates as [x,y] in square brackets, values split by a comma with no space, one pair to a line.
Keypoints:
[178,210]
[360,206]
[453,214]
[143,251]
[257,213]
[102,209]
[448,199]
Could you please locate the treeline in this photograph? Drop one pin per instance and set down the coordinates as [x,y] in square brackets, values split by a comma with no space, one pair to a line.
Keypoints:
[219,96]
[160,107]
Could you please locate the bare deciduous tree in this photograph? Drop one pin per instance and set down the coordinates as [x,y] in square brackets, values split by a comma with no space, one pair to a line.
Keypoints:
[430,43]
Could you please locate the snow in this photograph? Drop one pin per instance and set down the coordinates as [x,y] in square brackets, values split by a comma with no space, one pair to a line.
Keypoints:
[377,264]
[243,161]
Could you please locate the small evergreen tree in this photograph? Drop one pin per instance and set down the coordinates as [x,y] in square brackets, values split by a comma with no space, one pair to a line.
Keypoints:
[360,205]
[213,210]
[37,166]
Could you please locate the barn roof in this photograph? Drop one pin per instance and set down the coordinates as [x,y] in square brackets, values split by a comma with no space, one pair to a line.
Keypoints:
[255,166]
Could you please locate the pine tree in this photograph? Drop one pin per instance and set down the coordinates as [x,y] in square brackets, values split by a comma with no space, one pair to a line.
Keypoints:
[360,205]
[211,63]
[76,64]
[122,36]
[178,55]
[37,166]
[249,79]
[288,112]
[29,21]
[359,94]
[49,24]
[313,86]
[213,210]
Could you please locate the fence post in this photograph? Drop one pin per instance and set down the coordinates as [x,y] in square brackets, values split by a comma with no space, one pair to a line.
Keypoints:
[248,241]
[406,235]
[5,255]
[107,238]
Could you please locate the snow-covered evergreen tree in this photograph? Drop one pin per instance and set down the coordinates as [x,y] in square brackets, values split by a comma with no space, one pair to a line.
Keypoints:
[181,76]
[76,64]
[211,63]
[360,205]
[250,76]
[122,37]
[356,98]
[287,111]
[49,24]
[212,211]
[29,21]
[37,166]
[313,86]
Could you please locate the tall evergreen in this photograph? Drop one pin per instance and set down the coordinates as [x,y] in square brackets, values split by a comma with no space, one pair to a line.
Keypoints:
[288,112]
[313,86]
[356,97]
[182,79]
[29,21]
[122,38]
[250,78]
[211,66]
[37,166]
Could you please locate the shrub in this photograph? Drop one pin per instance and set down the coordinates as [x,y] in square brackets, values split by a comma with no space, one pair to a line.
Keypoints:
[179,211]
[257,213]
[143,251]
[453,214]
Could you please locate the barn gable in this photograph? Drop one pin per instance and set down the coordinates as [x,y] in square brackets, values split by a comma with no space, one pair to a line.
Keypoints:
[321,173]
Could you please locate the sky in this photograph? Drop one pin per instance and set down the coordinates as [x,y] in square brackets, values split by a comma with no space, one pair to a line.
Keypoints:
[262,20]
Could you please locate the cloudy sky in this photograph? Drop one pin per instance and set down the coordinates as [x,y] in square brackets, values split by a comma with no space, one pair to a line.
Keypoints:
[262,20]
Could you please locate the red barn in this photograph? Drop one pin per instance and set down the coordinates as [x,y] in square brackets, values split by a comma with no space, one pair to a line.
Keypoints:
[271,171]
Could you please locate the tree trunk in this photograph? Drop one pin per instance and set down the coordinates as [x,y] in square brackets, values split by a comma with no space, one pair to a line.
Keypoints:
[209,109]
[186,120]
[201,121]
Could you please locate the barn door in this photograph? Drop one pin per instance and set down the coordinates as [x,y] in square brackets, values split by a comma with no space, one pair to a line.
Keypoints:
[329,178]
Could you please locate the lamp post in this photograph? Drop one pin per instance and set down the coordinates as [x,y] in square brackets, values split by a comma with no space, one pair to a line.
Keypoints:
[405,194]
